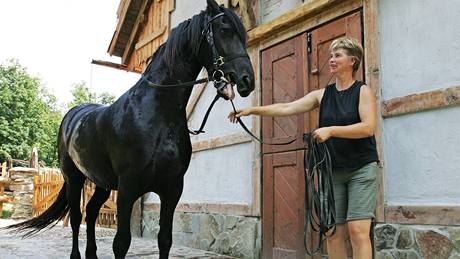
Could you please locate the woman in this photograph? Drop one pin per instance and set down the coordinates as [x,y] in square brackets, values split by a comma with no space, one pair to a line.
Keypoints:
[347,123]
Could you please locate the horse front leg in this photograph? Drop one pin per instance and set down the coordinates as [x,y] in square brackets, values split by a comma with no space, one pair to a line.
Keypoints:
[169,202]
[128,193]
[92,212]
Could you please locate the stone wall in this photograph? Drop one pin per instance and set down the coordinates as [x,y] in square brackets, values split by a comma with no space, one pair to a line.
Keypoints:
[394,241]
[22,186]
[230,235]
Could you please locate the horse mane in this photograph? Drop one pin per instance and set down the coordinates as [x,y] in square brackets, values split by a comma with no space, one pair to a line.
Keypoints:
[189,33]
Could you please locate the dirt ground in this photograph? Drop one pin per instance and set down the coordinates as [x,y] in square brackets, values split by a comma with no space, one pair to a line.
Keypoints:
[56,243]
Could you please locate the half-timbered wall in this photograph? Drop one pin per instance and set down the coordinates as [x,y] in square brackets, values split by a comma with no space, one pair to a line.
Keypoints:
[154,32]
[418,55]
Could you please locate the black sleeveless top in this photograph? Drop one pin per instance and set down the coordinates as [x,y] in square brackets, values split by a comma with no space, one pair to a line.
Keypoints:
[340,108]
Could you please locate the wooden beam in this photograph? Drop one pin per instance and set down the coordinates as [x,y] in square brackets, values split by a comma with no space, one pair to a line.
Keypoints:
[288,19]
[110,64]
[372,65]
[217,208]
[197,92]
[429,215]
[254,54]
[419,102]
[340,9]
[150,37]
[224,141]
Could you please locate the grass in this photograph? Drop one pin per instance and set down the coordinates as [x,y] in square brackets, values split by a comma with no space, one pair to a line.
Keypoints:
[7,210]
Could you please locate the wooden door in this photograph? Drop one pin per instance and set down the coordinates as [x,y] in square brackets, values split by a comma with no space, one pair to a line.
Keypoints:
[289,71]
[283,79]
[282,218]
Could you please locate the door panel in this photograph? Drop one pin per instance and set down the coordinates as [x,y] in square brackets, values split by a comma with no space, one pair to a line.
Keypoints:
[321,39]
[282,215]
[283,78]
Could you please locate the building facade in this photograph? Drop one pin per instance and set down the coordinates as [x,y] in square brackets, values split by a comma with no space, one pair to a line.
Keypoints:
[246,200]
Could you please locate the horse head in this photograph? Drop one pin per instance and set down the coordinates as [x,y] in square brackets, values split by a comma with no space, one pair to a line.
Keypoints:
[223,53]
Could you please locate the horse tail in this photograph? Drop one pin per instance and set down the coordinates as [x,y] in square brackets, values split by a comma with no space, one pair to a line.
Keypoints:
[56,212]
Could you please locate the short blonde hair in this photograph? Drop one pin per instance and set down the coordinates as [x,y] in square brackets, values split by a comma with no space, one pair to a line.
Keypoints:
[352,47]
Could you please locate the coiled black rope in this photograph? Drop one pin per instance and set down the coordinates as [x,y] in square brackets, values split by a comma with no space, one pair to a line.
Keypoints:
[319,195]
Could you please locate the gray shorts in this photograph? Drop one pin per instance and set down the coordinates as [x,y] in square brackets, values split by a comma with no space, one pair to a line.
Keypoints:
[355,193]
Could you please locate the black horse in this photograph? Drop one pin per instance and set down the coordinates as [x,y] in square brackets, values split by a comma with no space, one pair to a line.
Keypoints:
[141,143]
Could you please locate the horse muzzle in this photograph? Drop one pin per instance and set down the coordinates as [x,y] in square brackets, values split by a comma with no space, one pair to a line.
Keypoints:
[224,88]
[244,81]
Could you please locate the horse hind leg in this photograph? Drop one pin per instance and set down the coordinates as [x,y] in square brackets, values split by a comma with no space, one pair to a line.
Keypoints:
[92,211]
[169,202]
[73,184]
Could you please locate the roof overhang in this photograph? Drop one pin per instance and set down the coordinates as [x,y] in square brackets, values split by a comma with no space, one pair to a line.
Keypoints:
[128,14]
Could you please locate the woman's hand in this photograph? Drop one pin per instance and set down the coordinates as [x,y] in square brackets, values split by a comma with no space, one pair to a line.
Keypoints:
[322,134]
[232,116]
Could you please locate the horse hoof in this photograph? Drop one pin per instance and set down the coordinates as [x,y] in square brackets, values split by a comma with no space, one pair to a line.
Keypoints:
[75,255]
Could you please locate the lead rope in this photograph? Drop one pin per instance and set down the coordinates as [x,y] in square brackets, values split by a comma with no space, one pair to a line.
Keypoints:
[319,195]
[255,137]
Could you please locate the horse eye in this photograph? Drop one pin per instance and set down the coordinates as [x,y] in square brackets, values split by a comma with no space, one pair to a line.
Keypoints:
[226,31]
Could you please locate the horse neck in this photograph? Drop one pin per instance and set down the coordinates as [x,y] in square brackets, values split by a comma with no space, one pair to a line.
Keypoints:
[185,69]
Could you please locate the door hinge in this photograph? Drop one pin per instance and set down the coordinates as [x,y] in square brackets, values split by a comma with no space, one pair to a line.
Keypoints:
[309,48]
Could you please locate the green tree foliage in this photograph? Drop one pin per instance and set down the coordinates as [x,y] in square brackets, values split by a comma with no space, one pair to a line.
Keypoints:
[82,94]
[28,115]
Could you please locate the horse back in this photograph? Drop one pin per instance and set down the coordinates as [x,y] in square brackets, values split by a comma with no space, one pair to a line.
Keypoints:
[79,140]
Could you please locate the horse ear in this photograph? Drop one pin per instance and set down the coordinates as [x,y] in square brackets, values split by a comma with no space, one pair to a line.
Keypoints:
[213,7]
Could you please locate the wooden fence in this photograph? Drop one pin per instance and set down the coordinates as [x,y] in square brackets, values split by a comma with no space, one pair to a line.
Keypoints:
[108,212]
[46,189]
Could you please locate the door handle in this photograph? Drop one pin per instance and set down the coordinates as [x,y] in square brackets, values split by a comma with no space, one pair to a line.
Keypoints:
[314,71]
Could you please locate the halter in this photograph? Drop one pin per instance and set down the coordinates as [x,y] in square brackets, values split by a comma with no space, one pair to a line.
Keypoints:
[217,75]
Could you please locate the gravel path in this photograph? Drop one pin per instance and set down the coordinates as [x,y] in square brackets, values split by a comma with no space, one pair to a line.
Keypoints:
[56,243]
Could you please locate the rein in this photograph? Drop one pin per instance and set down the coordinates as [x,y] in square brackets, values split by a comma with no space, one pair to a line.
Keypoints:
[319,202]
[254,136]
[186,84]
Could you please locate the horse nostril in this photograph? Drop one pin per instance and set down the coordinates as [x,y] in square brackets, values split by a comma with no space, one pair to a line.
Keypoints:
[232,77]
[246,81]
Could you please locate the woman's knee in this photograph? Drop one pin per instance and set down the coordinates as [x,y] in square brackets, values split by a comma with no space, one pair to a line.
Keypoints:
[359,230]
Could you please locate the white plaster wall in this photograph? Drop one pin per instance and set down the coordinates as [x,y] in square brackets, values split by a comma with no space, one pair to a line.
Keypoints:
[186,9]
[418,44]
[221,175]
[422,154]
[271,9]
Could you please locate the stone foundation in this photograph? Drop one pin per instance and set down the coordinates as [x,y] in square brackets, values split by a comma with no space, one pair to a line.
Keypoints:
[236,236]
[393,241]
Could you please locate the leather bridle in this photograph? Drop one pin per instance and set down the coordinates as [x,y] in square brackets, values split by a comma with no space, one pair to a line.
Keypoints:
[217,75]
